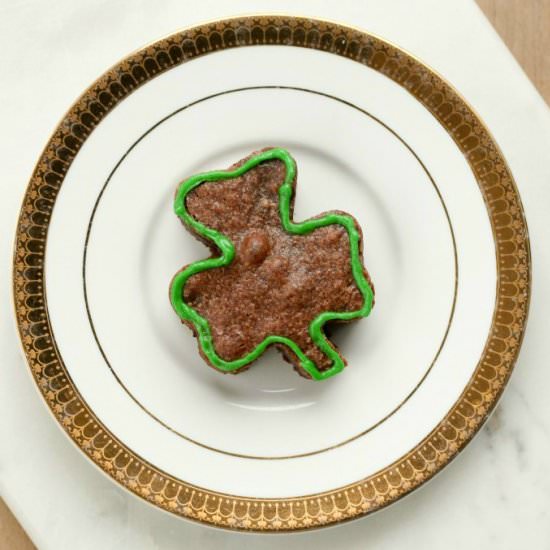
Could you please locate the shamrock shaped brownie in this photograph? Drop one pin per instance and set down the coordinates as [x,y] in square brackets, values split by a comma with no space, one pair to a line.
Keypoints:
[269,280]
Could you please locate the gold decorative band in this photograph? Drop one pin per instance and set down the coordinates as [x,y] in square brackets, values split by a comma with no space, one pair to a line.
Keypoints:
[366,495]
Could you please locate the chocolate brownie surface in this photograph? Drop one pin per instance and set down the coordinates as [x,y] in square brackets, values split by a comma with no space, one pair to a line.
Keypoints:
[278,283]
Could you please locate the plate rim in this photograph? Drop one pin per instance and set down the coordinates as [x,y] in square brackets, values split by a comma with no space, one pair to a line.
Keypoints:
[452,433]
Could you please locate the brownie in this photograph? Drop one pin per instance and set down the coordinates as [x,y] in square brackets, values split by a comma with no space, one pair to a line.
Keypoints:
[278,282]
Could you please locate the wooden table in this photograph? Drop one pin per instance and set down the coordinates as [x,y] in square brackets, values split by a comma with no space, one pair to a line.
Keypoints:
[524,26]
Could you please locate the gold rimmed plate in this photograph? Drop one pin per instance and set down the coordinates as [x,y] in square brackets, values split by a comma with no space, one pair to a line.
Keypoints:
[375,133]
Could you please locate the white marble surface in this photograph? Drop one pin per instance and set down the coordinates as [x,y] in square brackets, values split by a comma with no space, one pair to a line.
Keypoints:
[495,495]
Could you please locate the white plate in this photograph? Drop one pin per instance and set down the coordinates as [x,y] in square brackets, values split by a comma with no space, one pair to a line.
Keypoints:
[122,374]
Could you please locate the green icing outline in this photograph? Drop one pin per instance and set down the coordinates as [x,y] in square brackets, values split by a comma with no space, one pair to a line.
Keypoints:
[227,249]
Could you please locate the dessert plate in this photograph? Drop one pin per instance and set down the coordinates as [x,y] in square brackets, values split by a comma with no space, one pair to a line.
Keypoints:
[376,134]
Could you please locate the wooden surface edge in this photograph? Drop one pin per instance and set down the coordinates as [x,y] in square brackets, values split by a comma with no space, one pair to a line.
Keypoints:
[524,26]
[12,536]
